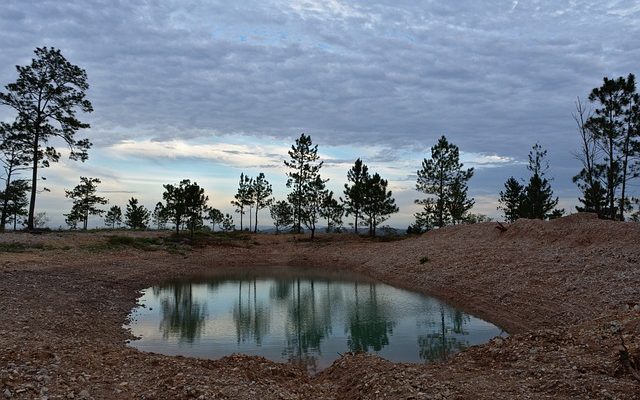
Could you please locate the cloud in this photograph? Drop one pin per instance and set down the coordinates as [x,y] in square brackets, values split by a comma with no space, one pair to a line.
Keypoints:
[227,154]
[388,75]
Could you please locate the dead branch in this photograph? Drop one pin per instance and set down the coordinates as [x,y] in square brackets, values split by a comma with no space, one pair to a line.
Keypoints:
[628,363]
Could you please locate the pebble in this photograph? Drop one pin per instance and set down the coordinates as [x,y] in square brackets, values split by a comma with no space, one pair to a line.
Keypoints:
[84,395]
[7,394]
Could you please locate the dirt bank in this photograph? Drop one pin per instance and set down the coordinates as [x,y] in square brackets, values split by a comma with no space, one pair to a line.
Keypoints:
[566,290]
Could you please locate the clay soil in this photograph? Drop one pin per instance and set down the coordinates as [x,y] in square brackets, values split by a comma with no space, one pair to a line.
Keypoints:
[566,291]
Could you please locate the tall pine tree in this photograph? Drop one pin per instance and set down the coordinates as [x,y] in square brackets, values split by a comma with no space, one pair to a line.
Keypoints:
[511,199]
[443,178]
[538,202]
[47,95]
[354,193]
[378,202]
[614,127]
[261,191]
[243,197]
[85,201]
[303,177]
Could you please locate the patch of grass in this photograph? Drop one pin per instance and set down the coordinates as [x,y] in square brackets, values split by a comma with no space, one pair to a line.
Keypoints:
[147,244]
[204,239]
[18,247]
[173,244]
[115,242]
[424,260]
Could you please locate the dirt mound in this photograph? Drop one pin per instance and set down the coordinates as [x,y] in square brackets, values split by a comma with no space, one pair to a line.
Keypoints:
[577,229]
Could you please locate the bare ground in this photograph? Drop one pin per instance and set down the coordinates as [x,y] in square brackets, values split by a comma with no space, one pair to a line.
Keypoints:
[567,291]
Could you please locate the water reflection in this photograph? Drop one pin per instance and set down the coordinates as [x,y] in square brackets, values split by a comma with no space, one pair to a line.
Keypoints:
[308,321]
[304,320]
[182,316]
[251,318]
[446,336]
[370,323]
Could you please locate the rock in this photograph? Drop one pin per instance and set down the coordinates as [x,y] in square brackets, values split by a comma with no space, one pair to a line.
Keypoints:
[7,394]
[84,395]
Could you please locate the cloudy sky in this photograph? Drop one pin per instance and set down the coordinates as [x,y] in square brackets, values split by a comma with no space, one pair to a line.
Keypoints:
[206,89]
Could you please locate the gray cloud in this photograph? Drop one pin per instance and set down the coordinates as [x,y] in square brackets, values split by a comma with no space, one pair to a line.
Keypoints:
[493,76]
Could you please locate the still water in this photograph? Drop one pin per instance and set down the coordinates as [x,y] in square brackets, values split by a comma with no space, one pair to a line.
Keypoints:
[300,317]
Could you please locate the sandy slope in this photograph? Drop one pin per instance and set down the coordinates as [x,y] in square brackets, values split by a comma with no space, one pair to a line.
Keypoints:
[565,290]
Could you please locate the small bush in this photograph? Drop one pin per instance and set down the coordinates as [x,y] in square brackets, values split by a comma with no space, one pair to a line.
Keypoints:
[424,259]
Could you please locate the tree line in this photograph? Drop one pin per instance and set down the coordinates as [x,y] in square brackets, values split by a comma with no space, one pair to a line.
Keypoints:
[609,130]
[50,92]
[185,204]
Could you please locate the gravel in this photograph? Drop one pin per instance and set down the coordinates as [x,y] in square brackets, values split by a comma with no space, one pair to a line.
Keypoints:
[565,290]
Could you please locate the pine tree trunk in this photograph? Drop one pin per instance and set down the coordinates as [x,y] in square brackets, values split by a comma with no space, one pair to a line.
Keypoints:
[34,180]
[255,230]
[5,203]
[624,176]
[611,180]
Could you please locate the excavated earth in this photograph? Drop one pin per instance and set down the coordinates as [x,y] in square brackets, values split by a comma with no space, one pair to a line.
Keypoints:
[567,292]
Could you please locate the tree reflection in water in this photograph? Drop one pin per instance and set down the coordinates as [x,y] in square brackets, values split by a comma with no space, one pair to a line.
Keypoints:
[182,316]
[445,338]
[369,324]
[308,322]
[251,318]
[298,316]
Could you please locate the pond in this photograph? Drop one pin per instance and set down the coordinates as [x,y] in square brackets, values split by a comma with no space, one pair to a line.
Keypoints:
[300,316]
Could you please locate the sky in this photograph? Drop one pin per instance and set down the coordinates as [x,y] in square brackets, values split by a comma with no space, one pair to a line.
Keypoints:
[205,89]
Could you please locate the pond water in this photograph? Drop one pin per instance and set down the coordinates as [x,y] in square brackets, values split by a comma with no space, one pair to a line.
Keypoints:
[300,316]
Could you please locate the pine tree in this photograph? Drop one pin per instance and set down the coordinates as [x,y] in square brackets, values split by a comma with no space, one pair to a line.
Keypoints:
[15,201]
[538,200]
[458,203]
[15,156]
[594,198]
[315,192]
[261,191]
[227,223]
[303,176]
[436,178]
[378,202]
[590,178]
[243,197]
[85,201]
[46,96]
[615,129]
[196,206]
[185,203]
[511,199]
[215,216]
[332,211]
[136,216]
[159,216]
[354,194]
[281,214]
[113,217]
